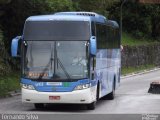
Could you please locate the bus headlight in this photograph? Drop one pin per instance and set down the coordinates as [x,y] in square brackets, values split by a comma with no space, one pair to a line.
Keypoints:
[26,86]
[81,87]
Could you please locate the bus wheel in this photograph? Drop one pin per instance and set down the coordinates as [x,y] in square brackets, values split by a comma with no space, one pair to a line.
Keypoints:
[111,95]
[39,105]
[91,106]
[97,94]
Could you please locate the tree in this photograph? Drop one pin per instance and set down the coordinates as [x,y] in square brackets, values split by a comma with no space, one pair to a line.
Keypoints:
[141,20]
[98,6]
[13,14]
[59,5]
[155,24]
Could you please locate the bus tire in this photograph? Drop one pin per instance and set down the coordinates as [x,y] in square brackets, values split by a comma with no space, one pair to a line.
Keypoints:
[111,95]
[39,105]
[91,106]
[97,93]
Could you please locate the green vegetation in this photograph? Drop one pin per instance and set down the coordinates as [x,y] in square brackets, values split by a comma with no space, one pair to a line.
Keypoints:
[140,20]
[4,66]
[128,39]
[8,83]
[129,70]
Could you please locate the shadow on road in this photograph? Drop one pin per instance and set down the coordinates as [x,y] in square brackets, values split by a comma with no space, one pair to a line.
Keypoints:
[67,107]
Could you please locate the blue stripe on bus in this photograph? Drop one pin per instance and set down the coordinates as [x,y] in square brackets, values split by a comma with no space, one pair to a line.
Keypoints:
[63,87]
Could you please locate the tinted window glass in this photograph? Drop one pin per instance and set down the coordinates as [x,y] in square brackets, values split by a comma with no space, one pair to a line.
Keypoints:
[117,38]
[101,36]
[57,30]
[113,38]
[93,29]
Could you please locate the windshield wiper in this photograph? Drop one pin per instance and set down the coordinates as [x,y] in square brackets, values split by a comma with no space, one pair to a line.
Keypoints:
[56,61]
[63,68]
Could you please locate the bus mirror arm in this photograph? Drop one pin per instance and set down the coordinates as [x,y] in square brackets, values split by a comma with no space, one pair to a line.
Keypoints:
[93,45]
[16,46]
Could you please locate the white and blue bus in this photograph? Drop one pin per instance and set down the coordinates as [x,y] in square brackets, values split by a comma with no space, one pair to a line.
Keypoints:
[68,57]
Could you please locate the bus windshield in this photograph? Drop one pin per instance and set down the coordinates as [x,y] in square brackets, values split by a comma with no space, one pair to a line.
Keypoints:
[56,60]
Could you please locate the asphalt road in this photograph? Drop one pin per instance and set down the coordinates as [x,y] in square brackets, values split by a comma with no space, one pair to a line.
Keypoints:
[131,98]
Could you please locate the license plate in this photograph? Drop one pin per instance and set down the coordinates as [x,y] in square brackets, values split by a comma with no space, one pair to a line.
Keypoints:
[54,83]
[54,97]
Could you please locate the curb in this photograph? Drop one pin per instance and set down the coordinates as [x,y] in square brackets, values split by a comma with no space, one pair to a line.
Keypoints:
[140,73]
[14,93]
[11,94]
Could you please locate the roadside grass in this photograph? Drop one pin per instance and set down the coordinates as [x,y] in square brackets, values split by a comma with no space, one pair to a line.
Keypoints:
[129,40]
[9,83]
[129,70]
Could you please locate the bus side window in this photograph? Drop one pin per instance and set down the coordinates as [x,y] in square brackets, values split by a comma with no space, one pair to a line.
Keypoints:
[101,36]
[109,33]
[115,38]
[93,29]
[118,38]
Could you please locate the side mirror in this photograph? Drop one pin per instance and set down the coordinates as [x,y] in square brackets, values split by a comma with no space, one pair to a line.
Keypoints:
[93,45]
[15,46]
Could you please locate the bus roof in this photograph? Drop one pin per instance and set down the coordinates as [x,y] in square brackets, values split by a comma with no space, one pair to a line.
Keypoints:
[78,16]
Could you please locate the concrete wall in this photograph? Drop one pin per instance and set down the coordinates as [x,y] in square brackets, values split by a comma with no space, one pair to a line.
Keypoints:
[141,55]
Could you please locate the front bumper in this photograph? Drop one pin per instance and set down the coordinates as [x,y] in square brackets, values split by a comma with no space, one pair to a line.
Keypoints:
[78,96]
